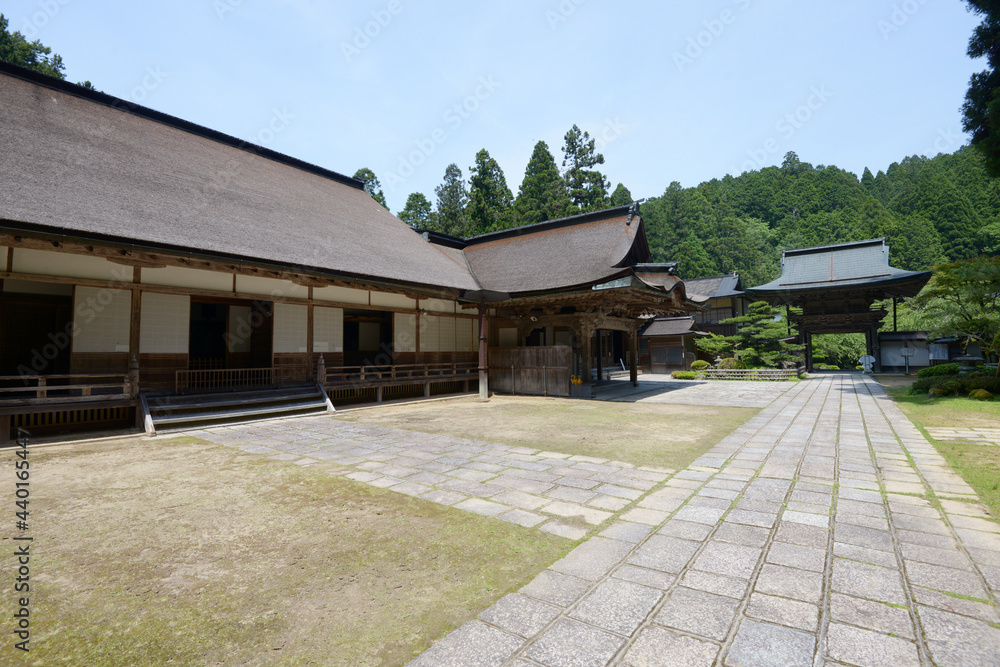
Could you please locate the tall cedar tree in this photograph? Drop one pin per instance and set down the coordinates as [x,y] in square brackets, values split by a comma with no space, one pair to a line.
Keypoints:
[542,195]
[418,212]
[452,203]
[760,341]
[490,202]
[372,186]
[15,49]
[588,189]
[621,196]
[981,111]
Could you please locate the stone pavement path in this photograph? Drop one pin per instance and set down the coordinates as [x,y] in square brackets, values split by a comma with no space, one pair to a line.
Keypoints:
[561,494]
[824,531]
[974,436]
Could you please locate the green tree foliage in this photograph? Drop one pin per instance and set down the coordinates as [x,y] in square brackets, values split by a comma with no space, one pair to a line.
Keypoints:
[981,111]
[621,196]
[418,212]
[543,194]
[372,186]
[452,203]
[16,49]
[693,261]
[963,299]
[840,350]
[490,202]
[588,188]
[932,210]
[760,341]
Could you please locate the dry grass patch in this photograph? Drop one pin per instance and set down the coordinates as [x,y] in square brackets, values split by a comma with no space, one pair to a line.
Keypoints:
[656,434]
[155,552]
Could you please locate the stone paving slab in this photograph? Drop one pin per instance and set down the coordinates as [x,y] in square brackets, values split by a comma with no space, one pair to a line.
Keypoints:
[742,559]
[826,530]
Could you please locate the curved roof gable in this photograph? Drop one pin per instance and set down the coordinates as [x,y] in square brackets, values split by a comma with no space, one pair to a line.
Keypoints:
[583,250]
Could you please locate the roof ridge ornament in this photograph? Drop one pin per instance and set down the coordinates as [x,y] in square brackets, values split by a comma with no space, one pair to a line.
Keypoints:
[633,210]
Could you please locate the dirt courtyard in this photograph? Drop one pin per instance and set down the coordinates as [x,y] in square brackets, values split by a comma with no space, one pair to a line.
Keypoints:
[652,434]
[176,551]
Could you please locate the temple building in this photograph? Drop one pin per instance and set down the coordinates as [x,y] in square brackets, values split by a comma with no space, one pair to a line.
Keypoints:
[837,287]
[159,273]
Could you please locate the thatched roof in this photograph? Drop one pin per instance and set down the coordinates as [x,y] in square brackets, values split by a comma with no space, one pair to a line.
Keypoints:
[559,254]
[84,163]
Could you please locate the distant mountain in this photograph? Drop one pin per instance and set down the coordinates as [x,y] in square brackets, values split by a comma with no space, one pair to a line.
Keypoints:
[931,209]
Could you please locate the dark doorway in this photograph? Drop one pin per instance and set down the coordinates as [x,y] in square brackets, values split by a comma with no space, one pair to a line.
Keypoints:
[367,338]
[230,334]
[35,334]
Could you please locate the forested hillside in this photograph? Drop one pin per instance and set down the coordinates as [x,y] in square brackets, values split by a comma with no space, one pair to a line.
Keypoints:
[932,210]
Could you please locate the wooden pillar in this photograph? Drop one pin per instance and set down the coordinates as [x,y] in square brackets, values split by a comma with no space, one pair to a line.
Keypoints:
[633,353]
[809,350]
[895,323]
[136,314]
[310,333]
[600,355]
[484,389]
[585,335]
[876,350]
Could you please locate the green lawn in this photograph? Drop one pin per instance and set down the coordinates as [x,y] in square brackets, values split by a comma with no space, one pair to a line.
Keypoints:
[979,465]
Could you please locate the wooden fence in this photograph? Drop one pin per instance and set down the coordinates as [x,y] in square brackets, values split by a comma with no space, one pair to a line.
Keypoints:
[531,370]
[765,374]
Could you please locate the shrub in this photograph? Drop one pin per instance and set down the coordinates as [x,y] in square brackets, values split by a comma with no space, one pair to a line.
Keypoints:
[949,387]
[683,375]
[938,371]
[731,364]
[700,365]
[989,383]
[981,395]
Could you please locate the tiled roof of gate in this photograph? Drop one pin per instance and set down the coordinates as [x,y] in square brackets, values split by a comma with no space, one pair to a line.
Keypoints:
[856,264]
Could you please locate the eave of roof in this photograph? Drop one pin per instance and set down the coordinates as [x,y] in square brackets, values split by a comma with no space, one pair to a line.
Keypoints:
[906,283]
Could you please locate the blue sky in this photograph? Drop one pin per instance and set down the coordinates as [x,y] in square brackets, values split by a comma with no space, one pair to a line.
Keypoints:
[673,91]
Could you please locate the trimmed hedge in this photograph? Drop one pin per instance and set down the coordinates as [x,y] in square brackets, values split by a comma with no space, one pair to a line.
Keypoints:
[683,375]
[938,371]
[700,365]
[956,385]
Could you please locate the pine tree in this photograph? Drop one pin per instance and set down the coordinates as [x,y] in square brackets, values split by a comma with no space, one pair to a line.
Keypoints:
[372,186]
[452,202]
[490,202]
[588,188]
[542,195]
[761,339]
[621,196]
[418,212]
